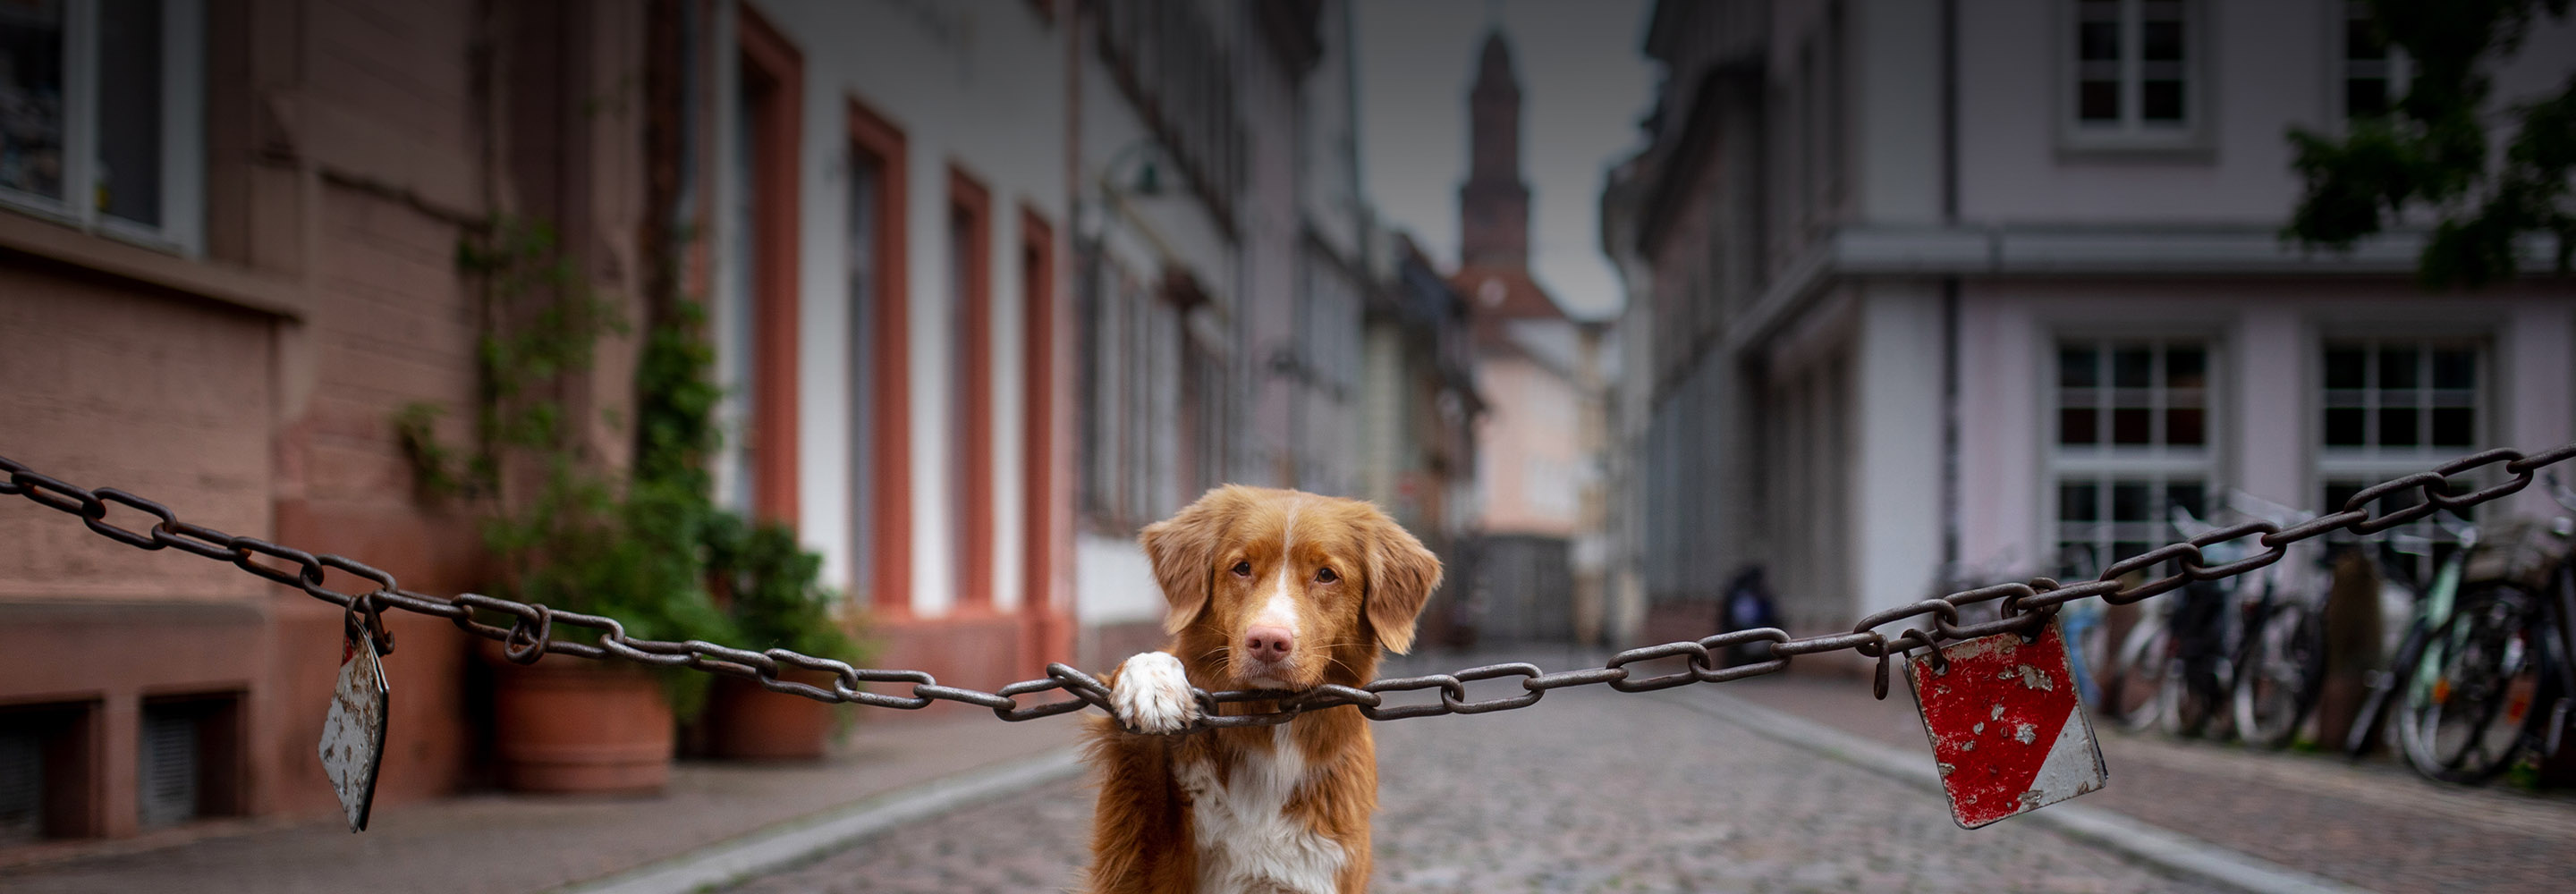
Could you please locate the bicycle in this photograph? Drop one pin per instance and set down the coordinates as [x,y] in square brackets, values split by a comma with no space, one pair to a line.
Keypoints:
[2432,601]
[2495,681]
[2280,663]
[2124,684]
[2171,668]
[2249,661]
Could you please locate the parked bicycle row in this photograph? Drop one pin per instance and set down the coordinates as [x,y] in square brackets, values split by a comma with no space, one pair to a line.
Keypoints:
[2449,644]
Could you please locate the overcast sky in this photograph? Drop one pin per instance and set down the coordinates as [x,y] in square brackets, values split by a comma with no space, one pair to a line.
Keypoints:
[1584,85]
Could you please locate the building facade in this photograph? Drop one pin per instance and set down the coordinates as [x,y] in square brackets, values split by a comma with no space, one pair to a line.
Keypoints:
[1538,476]
[885,196]
[989,287]
[1992,285]
[236,225]
[1419,409]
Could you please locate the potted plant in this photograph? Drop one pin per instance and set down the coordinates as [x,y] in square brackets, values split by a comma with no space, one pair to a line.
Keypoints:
[773,597]
[571,532]
[571,725]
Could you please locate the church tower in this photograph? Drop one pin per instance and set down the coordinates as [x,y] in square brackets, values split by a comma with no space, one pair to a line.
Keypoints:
[1493,206]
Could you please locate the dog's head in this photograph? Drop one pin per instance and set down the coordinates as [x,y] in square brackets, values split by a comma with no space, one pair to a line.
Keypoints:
[1280,589]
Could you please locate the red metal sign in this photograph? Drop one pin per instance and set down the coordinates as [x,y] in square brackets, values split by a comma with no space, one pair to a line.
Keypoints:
[2007,727]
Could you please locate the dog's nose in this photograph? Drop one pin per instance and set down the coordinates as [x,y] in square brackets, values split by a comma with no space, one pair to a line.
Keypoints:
[1269,642]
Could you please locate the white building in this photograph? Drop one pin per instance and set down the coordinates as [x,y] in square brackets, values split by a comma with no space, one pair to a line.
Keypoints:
[994,285]
[1993,285]
[884,267]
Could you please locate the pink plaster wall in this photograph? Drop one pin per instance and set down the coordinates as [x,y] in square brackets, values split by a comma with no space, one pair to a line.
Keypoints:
[1531,423]
[2267,67]
[2266,337]
[344,160]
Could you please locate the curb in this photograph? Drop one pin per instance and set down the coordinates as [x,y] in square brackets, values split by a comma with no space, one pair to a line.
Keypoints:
[777,847]
[2166,850]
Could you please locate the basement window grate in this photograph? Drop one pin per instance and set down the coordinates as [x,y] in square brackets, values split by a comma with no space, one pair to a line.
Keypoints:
[22,787]
[171,771]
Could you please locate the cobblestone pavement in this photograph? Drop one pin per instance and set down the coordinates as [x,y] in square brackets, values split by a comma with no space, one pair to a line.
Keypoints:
[1595,792]
[2374,825]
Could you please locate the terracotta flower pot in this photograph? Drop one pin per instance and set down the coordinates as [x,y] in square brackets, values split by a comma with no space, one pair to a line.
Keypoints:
[570,725]
[747,722]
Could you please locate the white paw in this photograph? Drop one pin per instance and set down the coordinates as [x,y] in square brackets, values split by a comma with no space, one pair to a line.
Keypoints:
[1153,694]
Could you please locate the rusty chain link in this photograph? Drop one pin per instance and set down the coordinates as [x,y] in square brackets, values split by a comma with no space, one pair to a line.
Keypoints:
[531,633]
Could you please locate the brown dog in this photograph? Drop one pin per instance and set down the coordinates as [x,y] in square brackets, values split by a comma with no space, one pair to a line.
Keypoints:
[1269,589]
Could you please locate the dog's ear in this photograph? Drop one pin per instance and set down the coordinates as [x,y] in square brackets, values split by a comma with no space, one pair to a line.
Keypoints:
[1401,576]
[1183,552]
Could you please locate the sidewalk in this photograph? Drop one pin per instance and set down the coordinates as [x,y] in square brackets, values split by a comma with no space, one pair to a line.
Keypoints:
[516,844]
[2372,825]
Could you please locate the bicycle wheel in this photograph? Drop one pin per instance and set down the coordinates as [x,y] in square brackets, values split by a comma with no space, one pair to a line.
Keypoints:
[2198,691]
[2371,728]
[2136,692]
[2469,694]
[2283,673]
[2203,646]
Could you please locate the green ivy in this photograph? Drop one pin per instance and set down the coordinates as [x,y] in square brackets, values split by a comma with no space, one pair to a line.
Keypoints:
[770,586]
[651,550]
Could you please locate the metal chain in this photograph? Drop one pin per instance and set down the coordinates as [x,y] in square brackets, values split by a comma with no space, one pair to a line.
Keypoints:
[531,633]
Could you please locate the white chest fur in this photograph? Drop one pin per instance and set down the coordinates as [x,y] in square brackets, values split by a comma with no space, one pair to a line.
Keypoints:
[1246,839]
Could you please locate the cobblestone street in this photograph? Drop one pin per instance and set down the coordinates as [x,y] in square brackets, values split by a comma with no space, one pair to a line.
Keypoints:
[1596,792]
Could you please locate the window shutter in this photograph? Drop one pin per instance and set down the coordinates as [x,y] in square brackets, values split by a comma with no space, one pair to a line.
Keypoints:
[22,787]
[169,774]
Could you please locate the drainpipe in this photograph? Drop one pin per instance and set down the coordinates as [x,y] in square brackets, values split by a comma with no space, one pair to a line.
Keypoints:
[1950,289]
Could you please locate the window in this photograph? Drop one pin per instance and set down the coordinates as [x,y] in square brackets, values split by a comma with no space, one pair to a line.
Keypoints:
[2374,74]
[22,786]
[2390,408]
[188,759]
[1099,295]
[48,771]
[1203,409]
[2134,71]
[1152,396]
[970,410]
[1173,63]
[2401,397]
[735,312]
[2132,395]
[102,116]
[879,404]
[1038,383]
[2132,443]
[868,219]
[755,320]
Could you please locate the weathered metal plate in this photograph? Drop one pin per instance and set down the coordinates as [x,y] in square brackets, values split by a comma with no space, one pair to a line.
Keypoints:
[353,732]
[2008,730]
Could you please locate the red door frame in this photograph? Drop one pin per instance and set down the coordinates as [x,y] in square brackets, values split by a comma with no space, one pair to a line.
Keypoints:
[776,70]
[890,370]
[974,395]
[1050,625]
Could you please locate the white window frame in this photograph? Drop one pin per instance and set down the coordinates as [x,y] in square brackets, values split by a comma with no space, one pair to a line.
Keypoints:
[2374,462]
[2103,463]
[1145,345]
[183,133]
[2401,68]
[2371,463]
[2132,132]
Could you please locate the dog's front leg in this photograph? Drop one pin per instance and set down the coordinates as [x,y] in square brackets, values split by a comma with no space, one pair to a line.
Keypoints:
[1140,827]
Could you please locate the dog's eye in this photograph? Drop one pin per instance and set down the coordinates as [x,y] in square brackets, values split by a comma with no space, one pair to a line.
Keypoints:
[1326,575]
[1243,568]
